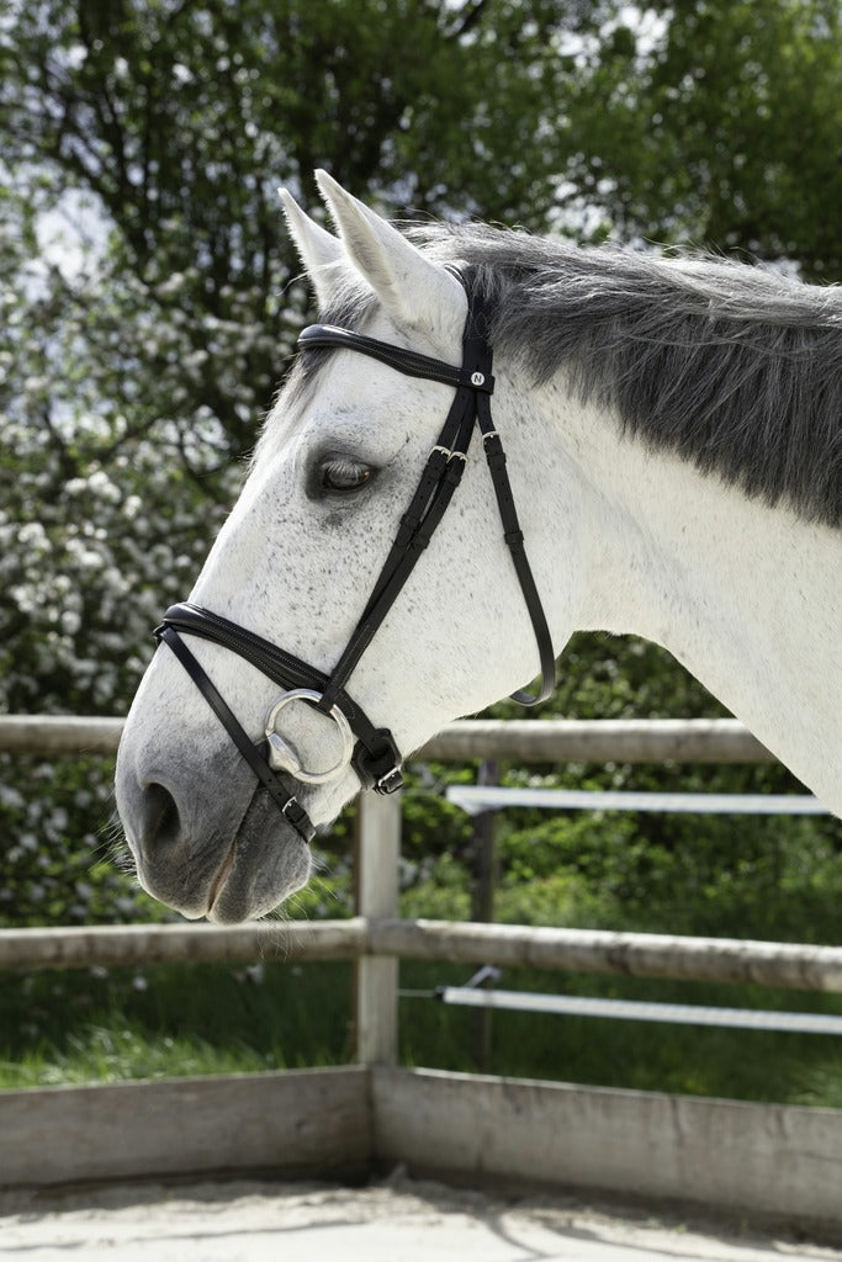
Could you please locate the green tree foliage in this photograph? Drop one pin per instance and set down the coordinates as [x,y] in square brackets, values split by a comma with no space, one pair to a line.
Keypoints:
[137,358]
[725,133]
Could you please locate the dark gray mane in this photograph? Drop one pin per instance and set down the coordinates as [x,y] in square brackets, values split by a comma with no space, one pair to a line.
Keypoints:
[735,368]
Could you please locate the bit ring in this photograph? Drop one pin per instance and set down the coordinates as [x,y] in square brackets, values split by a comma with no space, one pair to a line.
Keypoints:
[282,757]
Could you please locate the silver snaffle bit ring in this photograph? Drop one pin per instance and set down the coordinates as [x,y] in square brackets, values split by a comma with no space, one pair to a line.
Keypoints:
[282,757]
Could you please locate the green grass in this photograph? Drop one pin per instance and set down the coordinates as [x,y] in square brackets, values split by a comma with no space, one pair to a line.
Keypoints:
[165,1021]
[740,1064]
[169,1021]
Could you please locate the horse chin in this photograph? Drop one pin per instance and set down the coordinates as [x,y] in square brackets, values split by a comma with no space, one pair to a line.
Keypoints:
[237,873]
[266,862]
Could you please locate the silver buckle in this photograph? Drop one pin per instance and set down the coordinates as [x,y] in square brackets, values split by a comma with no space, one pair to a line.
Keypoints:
[390,782]
[282,757]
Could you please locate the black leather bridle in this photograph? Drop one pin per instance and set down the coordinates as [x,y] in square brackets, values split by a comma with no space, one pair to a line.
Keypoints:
[370,750]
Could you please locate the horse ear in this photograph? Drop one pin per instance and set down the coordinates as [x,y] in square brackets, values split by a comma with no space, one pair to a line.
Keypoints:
[413,289]
[321,253]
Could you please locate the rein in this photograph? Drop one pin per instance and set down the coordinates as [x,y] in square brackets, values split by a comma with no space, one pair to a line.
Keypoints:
[372,751]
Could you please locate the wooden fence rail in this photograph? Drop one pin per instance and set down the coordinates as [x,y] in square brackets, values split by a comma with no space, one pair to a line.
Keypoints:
[135,946]
[789,966]
[58,734]
[800,967]
[547,740]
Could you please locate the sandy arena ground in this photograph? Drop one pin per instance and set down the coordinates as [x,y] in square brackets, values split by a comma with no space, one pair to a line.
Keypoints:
[398,1221]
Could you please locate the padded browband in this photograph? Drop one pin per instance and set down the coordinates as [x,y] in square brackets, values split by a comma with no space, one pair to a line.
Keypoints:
[410,363]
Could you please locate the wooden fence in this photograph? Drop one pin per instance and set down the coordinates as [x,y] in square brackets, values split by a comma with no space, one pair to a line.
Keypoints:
[765,1160]
[521,740]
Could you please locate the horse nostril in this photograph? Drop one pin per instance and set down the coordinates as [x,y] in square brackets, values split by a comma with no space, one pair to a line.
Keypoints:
[162,824]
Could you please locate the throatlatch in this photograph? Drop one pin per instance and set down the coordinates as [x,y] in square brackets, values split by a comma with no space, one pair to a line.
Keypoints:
[372,751]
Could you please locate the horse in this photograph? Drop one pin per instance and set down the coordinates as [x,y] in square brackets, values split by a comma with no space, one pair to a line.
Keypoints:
[664,458]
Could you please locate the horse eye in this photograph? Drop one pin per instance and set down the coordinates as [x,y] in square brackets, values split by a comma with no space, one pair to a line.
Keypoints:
[342,474]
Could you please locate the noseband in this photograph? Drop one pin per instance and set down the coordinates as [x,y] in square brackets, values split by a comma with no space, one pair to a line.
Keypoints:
[370,750]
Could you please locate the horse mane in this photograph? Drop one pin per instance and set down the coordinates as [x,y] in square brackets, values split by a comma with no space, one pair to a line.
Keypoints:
[736,368]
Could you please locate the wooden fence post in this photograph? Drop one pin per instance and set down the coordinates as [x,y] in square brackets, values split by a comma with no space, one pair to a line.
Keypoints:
[485,863]
[376,976]
[485,860]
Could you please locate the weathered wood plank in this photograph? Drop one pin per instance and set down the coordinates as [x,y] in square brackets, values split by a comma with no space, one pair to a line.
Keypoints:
[800,967]
[597,740]
[546,740]
[304,1122]
[130,945]
[788,965]
[59,734]
[758,1159]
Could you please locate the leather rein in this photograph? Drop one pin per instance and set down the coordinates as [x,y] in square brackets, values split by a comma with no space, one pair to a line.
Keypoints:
[370,750]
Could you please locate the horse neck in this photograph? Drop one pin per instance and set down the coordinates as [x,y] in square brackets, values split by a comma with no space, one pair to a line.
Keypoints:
[746,597]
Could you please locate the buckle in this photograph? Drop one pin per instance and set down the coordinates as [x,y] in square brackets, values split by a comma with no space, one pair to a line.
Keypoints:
[378,763]
[391,782]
